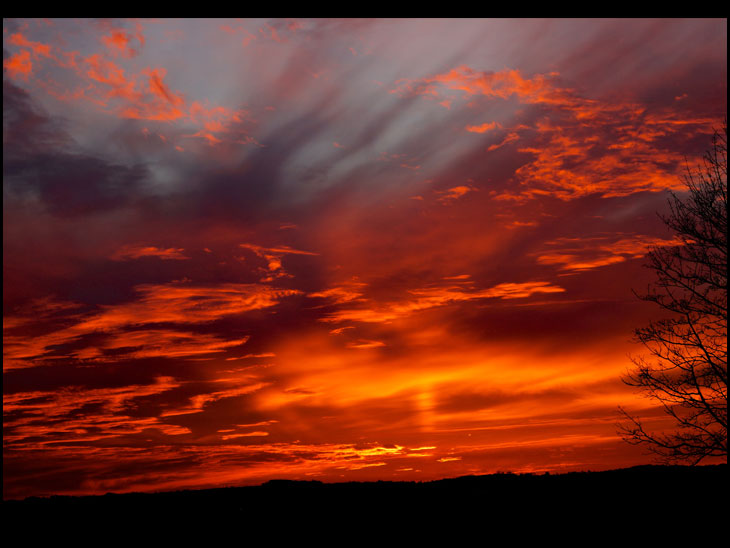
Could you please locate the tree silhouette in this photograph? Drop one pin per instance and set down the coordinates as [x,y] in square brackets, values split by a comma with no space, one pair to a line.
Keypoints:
[686,370]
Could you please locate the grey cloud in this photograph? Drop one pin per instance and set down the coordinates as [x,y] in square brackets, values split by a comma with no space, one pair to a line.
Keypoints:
[38,158]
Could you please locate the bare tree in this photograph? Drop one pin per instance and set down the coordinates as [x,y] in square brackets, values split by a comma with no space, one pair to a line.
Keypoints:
[686,368]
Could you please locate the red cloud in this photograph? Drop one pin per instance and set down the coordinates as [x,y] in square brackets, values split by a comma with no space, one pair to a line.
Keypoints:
[19,64]
[106,72]
[158,87]
[159,103]
[503,84]
[38,48]
[119,41]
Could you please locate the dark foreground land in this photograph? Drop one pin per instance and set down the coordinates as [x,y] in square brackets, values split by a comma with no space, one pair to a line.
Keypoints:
[671,494]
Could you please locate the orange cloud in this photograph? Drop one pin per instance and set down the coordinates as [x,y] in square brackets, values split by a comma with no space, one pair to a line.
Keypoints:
[483,128]
[591,149]
[520,224]
[219,124]
[63,421]
[502,84]
[212,139]
[556,258]
[106,72]
[510,138]
[37,48]
[151,343]
[281,250]
[245,435]
[230,463]
[365,344]
[521,290]
[158,87]
[639,245]
[341,294]
[340,330]
[62,402]
[137,251]
[273,257]
[186,304]
[143,96]
[594,263]
[173,303]
[19,64]
[581,254]
[585,145]
[119,41]
[160,103]
[198,402]
[463,386]
[438,296]
[463,277]
[454,193]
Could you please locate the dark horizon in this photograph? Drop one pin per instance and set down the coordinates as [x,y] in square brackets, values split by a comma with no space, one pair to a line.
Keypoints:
[679,476]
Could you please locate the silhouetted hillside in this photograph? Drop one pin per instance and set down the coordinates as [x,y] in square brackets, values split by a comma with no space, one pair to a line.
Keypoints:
[646,489]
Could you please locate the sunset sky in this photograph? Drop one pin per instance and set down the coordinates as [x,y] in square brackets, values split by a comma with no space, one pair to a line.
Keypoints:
[403,249]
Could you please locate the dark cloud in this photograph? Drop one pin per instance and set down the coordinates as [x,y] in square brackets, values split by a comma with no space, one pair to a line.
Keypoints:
[38,159]
[27,130]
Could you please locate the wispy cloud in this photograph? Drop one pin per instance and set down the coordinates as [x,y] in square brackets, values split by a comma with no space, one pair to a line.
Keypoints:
[431,297]
[128,252]
[579,254]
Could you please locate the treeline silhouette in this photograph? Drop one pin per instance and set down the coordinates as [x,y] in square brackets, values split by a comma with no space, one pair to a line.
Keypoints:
[642,488]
